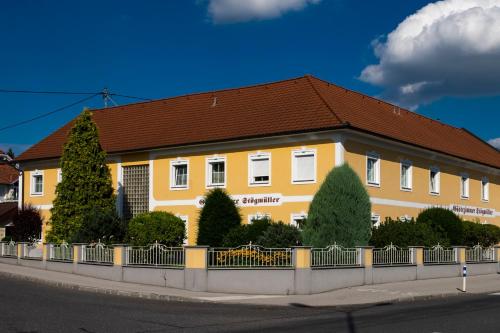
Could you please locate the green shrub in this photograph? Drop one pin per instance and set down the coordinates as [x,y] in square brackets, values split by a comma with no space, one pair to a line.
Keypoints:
[405,234]
[27,225]
[279,235]
[217,218]
[147,228]
[444,222]
[484,234]
[102,224]
[340,211]
[246,233]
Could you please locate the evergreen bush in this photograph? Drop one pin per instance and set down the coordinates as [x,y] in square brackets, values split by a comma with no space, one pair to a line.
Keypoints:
[444,222]
[162,227]
[405,233]
[280,235]
[27,225]
[217,218]
[246,233]
[86,180]
[340,211]
[483,234]
[102,224]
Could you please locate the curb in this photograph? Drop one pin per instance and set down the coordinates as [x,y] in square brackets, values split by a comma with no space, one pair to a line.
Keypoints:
[97,290]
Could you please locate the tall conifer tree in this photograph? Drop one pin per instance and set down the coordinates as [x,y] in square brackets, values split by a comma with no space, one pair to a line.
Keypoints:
[86,180]
[340,211]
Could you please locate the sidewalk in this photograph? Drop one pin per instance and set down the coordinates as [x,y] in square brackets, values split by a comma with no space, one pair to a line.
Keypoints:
[368,294]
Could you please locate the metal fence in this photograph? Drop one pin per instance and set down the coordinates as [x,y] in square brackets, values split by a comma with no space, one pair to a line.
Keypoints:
[97,253]
[393,255]
[154,255]
[8,249]
[32,251]
[479,254]
[250,256]
[61,252]
[440,255]
[335,256]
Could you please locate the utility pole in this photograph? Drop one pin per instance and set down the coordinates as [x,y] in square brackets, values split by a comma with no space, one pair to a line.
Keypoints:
[106,96]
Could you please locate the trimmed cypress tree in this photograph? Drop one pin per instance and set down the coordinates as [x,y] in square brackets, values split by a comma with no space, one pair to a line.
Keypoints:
[217,218]
[340,211]
[86,180]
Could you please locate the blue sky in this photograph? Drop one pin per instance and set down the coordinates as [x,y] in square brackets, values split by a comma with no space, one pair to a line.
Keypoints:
[156,49]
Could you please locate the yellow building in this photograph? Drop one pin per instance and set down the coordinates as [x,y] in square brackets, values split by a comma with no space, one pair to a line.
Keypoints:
[270,146]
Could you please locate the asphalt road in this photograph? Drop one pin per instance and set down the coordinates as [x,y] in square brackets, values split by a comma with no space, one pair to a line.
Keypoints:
[32,307]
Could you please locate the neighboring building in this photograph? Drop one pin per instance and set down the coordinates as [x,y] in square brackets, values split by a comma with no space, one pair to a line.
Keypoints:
[271,146]
[9,177]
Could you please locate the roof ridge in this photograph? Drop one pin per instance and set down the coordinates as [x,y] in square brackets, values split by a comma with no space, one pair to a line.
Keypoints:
[204,93]
[308,77]
[388,103]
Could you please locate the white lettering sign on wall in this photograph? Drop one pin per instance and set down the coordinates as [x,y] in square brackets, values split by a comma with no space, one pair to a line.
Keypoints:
[249,200]
[472,211]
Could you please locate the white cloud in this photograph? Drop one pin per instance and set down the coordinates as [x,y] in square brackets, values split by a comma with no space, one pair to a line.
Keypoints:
[495,143]
[447,48]
[230,11]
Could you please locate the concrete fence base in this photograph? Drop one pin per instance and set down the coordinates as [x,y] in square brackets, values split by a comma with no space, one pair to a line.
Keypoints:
[301,279]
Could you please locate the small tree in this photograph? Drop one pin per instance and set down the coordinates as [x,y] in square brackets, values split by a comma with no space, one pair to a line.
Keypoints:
[102,224]
[161,227]
[279,235]
[27,225]
[444,222]
[86,180]
[10,153]
[483,234]
[217,218]
[405,233]
[246,233]
[340,211]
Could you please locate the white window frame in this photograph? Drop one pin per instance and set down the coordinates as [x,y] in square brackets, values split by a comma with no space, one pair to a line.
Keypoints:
[485,189]
[464,188]
[297,216]
[373,156]
[258,156]
[257,216]
[173,165]
[375,217]
[437,180]
[59,175]
[34,174]
[185,219]
[304,152]
[408,164]
[208,171]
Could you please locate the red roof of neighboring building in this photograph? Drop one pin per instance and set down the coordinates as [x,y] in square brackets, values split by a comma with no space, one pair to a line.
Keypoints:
[297,105]
[8,174]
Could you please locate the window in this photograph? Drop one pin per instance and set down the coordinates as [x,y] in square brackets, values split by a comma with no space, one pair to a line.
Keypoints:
[485,189]
[257,216]
[216,172]
[298,220]
[434,180]
[406,175]
[185,219]
[464,186]
[37,183]
[259,169]
[303,166]
[59,175]
[375,220]
[179,174]
[373,169]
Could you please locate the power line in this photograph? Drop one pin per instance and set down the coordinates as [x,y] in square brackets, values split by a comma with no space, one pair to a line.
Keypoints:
[133,97]
[48,113]
[46,92]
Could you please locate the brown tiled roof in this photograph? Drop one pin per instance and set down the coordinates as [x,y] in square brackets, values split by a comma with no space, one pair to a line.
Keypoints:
[297,105]
[8,174]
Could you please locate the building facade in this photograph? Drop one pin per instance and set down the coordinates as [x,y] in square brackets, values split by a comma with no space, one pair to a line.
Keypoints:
[271,146]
